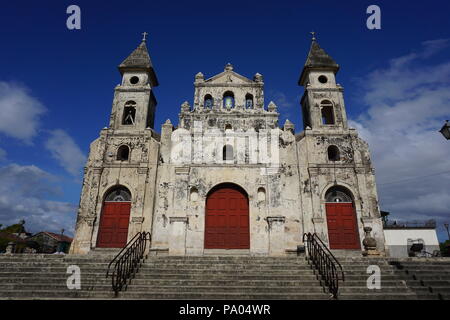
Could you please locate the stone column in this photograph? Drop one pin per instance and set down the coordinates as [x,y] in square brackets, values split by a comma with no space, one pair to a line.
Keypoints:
[276,235]
[177,236]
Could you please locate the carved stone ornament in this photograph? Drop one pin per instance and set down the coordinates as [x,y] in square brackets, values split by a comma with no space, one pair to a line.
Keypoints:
[369,243]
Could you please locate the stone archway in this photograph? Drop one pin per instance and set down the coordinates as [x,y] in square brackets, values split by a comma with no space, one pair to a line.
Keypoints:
[227,218]
[341,219]
[114,220]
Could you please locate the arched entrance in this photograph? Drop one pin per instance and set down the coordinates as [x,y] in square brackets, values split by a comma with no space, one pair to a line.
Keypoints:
[341,219]
[227,218]
[113,230]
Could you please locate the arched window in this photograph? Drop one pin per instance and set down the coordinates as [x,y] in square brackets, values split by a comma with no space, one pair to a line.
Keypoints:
[118,194]
[338,194]
[333,153]
[208,102]
[249,101]
[227,152]
[228,127]
[123,153]
[129,113]
[228,100]
[326,108]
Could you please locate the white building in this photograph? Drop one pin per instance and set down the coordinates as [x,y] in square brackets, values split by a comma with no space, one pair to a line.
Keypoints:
[400,237]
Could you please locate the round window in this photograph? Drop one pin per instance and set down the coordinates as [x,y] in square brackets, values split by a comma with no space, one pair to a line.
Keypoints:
[323,79]
[134,80]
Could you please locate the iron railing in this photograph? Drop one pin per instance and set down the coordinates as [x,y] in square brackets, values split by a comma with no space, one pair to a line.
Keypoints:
[127,262]
[326,264]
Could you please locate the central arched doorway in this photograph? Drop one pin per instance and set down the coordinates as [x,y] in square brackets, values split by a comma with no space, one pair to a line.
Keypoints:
[341,219]
[227,218]
[114,221]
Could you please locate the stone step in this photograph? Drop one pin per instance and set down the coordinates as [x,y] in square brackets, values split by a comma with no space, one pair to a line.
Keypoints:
[55,294]
[248,266]
[226,289]
[55,287]
[230,277]
[48,275]
[200,275]
[430,289]
[421,273]
[432,283]
[221,296]
[79,294]
[378,296]
[51,265]
[54,269]
[51,280]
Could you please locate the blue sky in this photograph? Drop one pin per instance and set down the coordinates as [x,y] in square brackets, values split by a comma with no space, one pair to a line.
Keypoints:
[56,86]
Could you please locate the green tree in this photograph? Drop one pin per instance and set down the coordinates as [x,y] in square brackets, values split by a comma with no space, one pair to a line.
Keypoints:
[17,228]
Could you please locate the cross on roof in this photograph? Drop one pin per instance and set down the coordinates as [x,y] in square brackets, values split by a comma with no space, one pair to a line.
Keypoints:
[313,35]
[145,36]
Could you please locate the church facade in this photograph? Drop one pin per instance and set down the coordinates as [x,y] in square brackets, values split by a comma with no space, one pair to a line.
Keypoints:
[228,176]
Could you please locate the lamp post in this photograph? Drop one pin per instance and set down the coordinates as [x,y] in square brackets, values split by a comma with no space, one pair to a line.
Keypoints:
[445,130]
[446,227]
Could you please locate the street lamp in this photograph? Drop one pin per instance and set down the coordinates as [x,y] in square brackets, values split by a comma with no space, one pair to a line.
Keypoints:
[445,130]
[446,227]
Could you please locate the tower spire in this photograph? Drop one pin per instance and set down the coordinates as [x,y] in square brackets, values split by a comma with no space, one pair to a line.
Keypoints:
[139,60]
[317,59]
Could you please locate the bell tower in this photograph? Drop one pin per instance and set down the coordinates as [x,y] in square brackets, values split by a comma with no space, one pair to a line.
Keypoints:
[322,102]
[117,193]
[134,102]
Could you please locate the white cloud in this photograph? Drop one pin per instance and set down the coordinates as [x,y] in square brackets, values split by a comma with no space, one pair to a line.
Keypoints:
[20,112]
[407,103]
[22,196]
[64,149]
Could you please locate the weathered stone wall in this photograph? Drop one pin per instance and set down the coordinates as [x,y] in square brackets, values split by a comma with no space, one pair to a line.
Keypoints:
[318,174]
[285,176]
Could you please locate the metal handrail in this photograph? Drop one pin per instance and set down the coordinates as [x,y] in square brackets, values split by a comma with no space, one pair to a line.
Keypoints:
[127,261]
[325,263]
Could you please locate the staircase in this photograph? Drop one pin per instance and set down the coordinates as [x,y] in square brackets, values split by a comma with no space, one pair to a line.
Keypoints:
[225,277]
[392,285]
[24,276]
[405,279]
[44,276]
[429,278]
[161,277]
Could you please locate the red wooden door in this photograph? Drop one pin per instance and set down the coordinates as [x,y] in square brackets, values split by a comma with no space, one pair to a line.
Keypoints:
[113,231]
[342,226]
[227,219]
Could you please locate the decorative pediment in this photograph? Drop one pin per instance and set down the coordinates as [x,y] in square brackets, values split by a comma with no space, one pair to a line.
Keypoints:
[228,76]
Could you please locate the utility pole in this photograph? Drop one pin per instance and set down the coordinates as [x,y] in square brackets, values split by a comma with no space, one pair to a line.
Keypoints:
[446,227]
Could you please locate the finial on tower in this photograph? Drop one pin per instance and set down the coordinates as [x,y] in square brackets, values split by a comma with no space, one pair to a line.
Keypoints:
[313,36]
[144,39]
